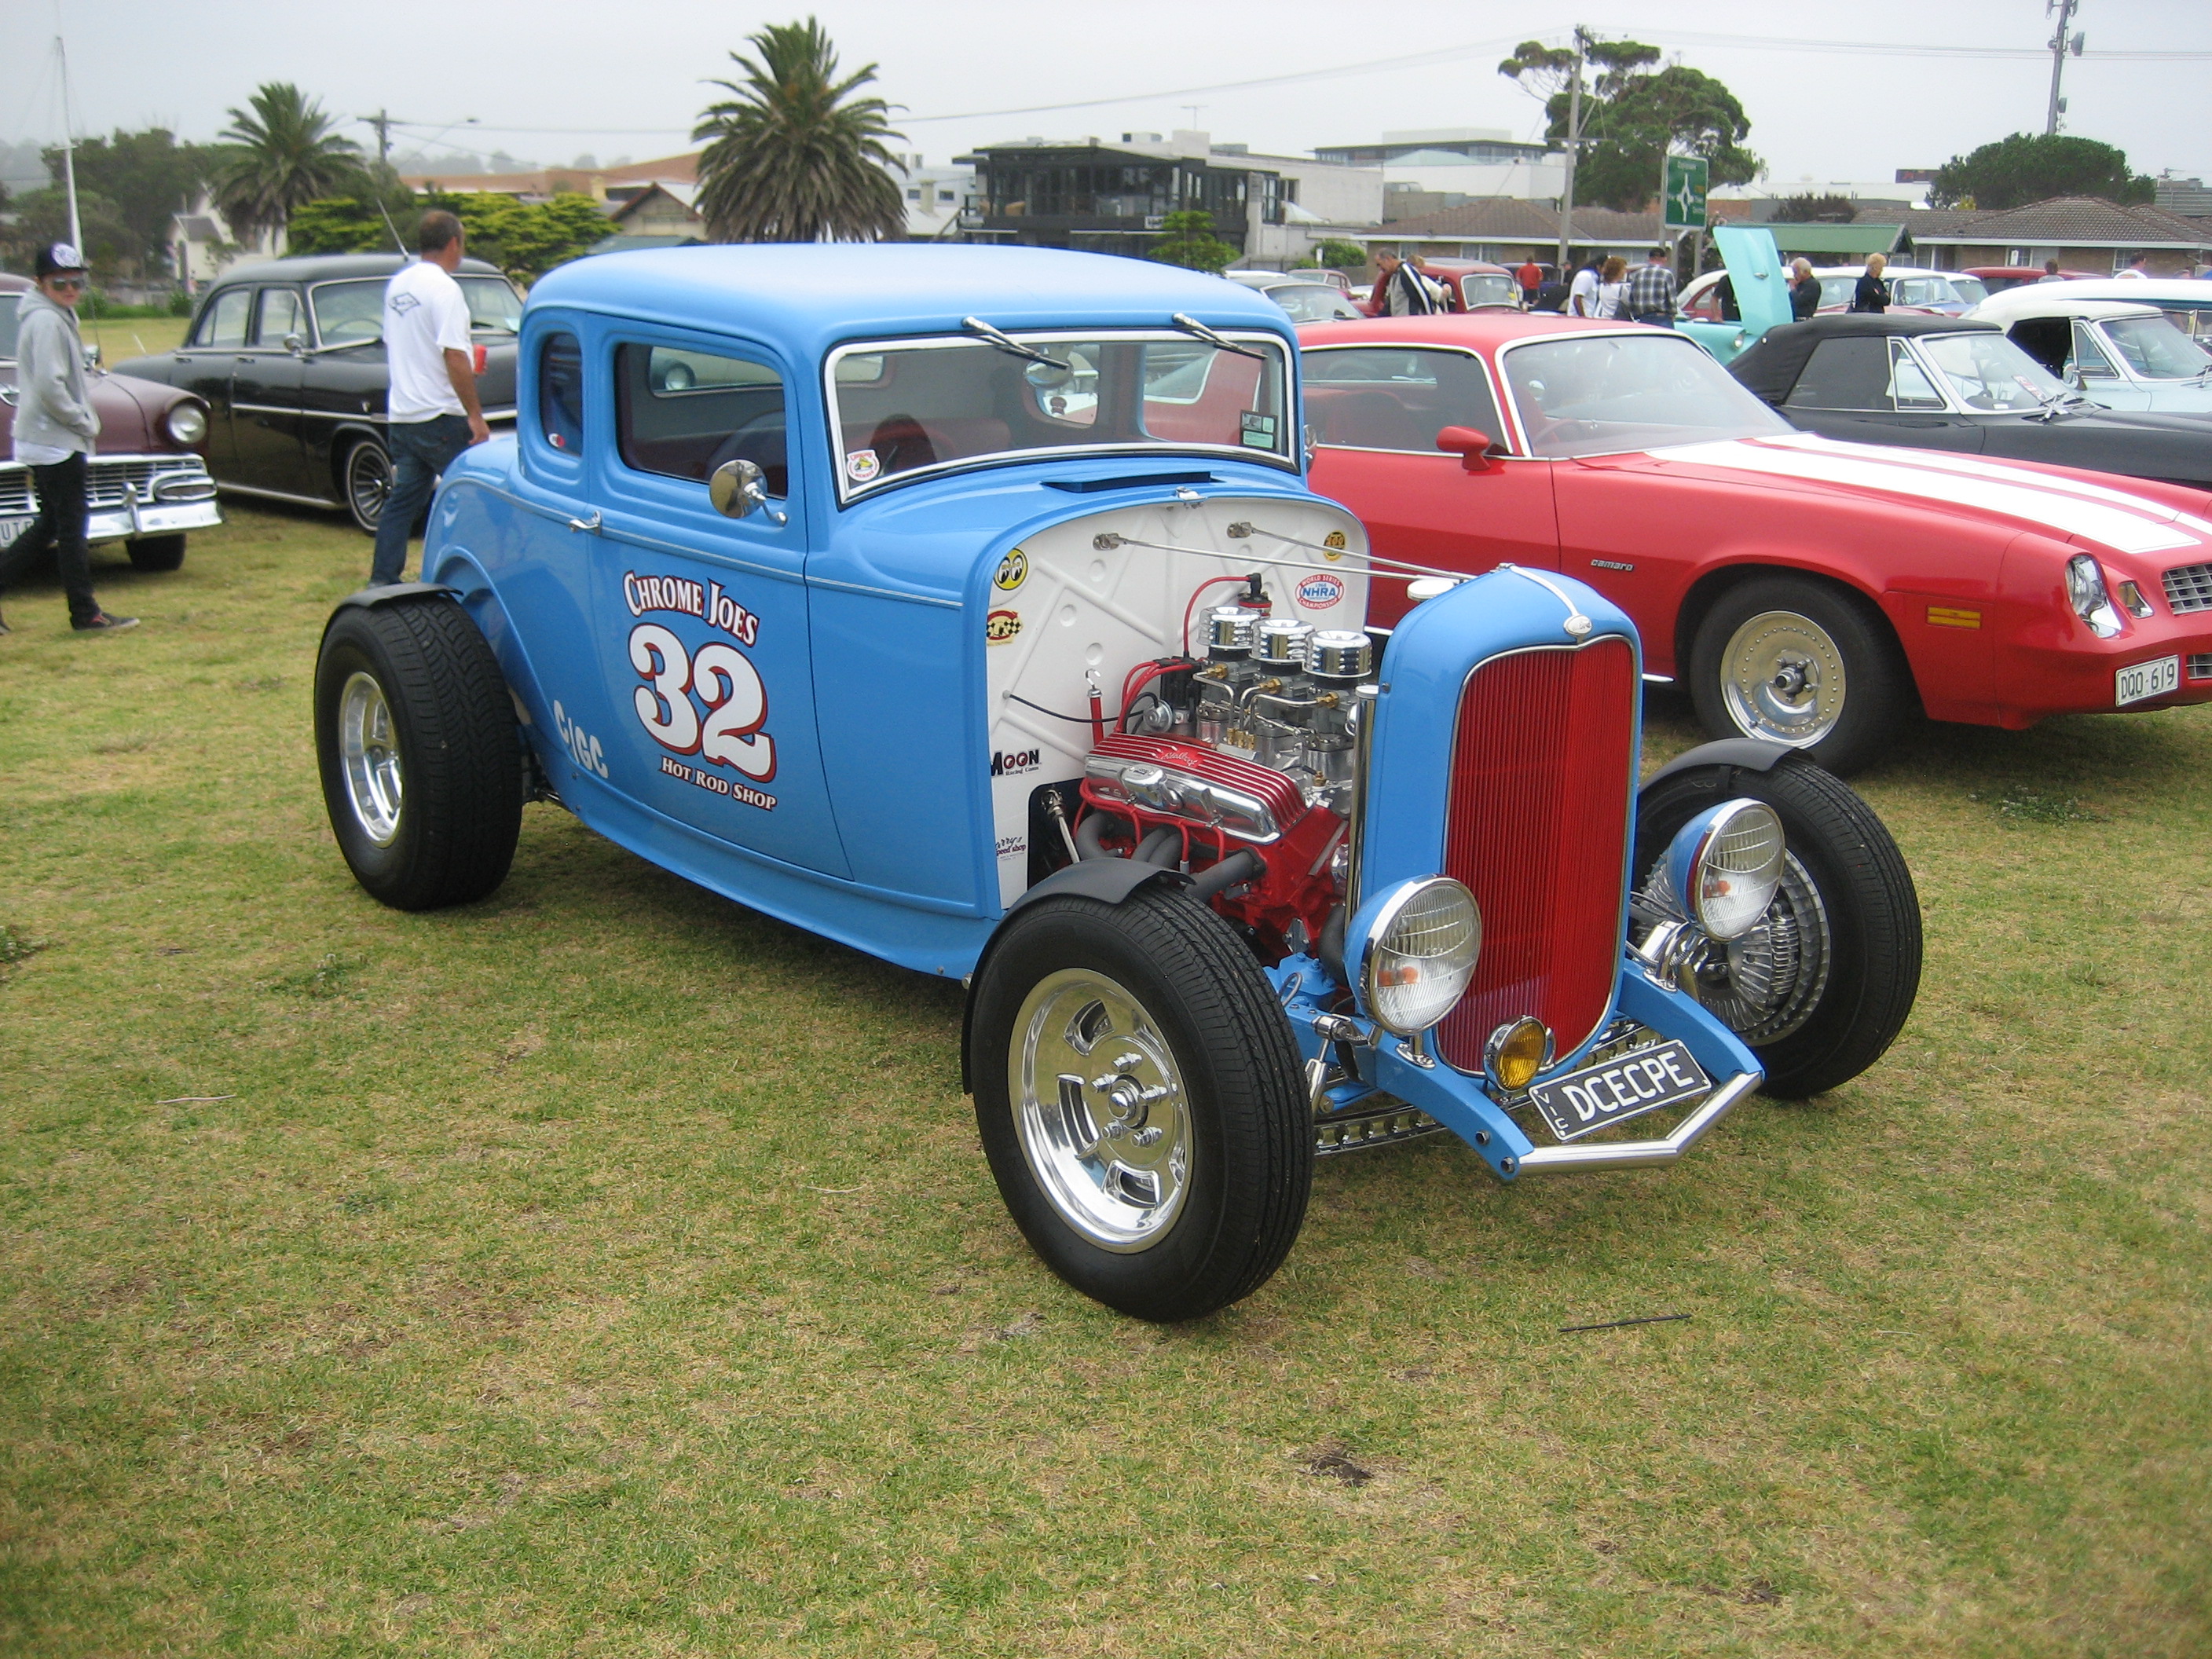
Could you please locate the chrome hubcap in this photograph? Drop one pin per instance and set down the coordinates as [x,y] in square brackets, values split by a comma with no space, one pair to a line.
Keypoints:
[1764,984]
[1782,678]
[371,480]
[1100,1109]
[370,752]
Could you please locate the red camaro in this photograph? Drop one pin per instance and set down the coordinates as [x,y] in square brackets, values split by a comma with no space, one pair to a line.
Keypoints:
[1812,592]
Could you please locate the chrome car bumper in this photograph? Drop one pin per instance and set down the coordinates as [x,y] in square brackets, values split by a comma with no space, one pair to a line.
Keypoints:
[129,497]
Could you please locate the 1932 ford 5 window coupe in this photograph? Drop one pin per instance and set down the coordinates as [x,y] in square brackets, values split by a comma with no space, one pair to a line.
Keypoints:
[968,606]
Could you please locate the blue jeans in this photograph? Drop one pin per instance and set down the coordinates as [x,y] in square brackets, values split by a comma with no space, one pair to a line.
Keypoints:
[421,450]
[1657,319]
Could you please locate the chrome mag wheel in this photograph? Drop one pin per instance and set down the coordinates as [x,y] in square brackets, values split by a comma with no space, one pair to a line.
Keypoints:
[369,753]
[1100,1109]
[1782,678]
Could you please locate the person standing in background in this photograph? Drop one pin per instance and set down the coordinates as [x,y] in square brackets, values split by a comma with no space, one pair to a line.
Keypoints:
[2050,272]
[1530,277]
[1402,291]
[432,410]
[2137,268]
[1651,294]
[1872,294]
[1804,290]
[1612,285]
[1582,293]
[57,429]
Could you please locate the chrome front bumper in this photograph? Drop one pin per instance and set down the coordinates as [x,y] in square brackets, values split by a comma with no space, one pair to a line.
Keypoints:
[1633,1154]
[130,496]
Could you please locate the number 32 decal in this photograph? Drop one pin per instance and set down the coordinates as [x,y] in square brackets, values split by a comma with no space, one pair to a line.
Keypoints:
[723,678]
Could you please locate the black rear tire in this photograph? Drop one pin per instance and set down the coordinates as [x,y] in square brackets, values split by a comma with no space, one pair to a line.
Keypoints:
[365,482]
[422,764]
[157,552]
[1868,911]
[1763,634]
[1202,1017]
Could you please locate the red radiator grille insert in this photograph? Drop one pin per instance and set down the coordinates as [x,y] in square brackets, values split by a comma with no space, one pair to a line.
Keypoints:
[1537,828]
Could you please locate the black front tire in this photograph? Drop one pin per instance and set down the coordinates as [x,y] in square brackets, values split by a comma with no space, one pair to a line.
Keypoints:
[1849,892]
[1199,1015]
[157,552]
[365,481]
[1795,660]
[420,760]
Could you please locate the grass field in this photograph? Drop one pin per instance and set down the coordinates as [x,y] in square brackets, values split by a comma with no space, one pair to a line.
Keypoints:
[606,1269]
[126,337]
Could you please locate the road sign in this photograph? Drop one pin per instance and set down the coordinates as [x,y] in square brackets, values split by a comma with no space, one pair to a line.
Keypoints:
[1682,193]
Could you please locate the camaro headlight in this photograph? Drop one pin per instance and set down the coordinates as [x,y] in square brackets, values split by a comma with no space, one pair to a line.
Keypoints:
[186,424]
[1419,945]
[1725,864]
[2084,588]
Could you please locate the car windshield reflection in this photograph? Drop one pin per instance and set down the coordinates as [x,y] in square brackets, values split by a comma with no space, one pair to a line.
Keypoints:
[1608,393]
[352,313]
[2156,349]
[1988,371]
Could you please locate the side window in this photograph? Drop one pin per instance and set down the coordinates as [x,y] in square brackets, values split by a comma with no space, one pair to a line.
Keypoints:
[1706,307]
[683,413]
[561,392]
[1392,398]
[279,315]
[2090,357]
[1909,383]
[1852,373]
[224,324]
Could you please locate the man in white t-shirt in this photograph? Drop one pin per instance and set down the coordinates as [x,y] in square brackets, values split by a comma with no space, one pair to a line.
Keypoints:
[431,410]
[2137,268]
[1582,293]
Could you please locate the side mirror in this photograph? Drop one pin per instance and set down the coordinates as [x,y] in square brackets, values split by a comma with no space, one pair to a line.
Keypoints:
[738,488]
[297,344]
[1471,446]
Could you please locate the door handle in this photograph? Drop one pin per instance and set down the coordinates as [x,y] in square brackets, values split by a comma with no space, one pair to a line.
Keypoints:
[591,524]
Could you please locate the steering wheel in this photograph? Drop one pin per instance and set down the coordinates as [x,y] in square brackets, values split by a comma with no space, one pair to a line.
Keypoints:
[759,441]
[901,444]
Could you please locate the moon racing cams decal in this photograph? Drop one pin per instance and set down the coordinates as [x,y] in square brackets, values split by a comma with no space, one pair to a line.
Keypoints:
[711,702]
[1013,571]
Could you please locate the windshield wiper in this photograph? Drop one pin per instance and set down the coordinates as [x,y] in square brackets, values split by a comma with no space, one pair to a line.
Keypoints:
[1007,343]
[1191,326]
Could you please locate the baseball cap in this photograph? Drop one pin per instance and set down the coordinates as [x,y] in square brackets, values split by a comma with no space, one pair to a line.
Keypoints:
[58,256]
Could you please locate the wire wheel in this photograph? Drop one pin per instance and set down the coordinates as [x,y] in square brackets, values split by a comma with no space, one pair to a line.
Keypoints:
[1783,679]
[1100,1109]
[369,751]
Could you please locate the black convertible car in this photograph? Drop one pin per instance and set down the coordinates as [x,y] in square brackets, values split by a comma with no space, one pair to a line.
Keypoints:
[1944,383]
[289,355]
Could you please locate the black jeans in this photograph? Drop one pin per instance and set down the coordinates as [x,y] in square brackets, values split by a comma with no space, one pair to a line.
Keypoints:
[421,451]
[59,528]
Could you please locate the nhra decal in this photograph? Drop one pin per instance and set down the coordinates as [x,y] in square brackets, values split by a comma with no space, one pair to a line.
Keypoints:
[708,603]
[1002,625]
[1013,571]
[1007,763]
[1319,592]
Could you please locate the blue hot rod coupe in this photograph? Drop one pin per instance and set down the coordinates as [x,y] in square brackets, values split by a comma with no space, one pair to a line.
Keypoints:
[968,606]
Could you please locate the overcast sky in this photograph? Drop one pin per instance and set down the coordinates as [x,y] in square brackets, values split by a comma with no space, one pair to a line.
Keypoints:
[539,78]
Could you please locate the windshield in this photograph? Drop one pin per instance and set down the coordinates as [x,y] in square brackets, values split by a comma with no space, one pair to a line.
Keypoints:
[352,313]
[2156,349]
[1970,289]
[1838,290]
[1604,394]
[1310,303]
[1482,287]
[910,406]
[1988,371]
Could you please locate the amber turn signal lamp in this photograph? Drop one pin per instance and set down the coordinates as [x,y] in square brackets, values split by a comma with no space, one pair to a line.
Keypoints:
[1516,1053]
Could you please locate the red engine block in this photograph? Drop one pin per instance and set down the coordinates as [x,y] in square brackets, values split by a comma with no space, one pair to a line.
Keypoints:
[1296,885]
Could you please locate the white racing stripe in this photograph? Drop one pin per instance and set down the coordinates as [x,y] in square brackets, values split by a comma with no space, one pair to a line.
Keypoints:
[2109,517]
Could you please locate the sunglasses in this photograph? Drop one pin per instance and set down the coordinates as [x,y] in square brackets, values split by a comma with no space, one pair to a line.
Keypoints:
[75,284]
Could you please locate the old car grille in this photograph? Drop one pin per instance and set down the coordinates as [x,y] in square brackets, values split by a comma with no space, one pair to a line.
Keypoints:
[1537,828]
[2189,587]
[107,483]
[2200,664]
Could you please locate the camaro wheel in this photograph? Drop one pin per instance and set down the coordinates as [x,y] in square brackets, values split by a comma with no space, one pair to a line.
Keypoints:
[421,764]
[1139,1099]
[157,552]
[1820,987]
[1797,662]
[368,483]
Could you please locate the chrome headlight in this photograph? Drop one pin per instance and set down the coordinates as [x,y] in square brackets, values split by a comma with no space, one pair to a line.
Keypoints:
[2084,589]
[1418,943]
[1724,865]
[186,424]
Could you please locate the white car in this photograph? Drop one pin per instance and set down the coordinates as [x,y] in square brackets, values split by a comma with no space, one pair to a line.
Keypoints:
[1911,287]
[2128,344]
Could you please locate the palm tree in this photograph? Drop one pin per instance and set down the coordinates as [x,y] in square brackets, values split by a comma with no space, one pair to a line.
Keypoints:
[790,160]
[285,155]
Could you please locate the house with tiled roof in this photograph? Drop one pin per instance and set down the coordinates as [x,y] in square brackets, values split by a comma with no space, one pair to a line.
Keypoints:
[1507,229]
[2082,233]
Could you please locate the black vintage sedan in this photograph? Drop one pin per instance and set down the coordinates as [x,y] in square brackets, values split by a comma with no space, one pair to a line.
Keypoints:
[1944,383]
[289,355]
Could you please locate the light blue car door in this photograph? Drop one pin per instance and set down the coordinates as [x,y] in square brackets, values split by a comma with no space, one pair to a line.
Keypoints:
[1762,292]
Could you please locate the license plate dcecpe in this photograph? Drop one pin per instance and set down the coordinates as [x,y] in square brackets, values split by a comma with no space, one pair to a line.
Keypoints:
[1627,1087]
[2146,679]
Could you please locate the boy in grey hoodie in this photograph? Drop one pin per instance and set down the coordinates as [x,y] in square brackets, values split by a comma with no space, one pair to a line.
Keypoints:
[55,431]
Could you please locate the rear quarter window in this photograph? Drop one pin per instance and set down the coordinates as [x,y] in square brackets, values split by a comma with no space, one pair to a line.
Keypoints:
[682,413]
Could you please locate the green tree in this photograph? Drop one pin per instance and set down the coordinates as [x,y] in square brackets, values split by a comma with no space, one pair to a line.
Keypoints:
[149,177]
[526,239]
[1807,209]
[791,156]
[2034,166]
[1337,255]
[1190,242]
[282,155]
[1632,115]
[42,216]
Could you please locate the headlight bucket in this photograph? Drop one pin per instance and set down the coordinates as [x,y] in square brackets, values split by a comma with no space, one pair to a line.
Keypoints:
[186,424]
[1417,943]
[1725,864]
[2087,593]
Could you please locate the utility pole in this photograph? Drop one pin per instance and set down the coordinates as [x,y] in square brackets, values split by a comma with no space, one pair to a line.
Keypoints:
[382,122]
[2060,46]
[1574,148]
